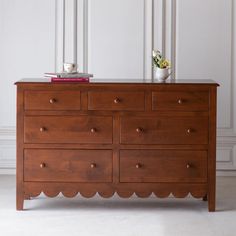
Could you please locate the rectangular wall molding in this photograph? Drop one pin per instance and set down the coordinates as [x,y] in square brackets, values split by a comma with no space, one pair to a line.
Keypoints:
[164,25]
[59,35]
[148,38]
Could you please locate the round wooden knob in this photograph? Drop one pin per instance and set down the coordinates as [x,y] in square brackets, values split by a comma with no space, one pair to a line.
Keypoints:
[116,100]
[189,131]
[42,165]
[139,130]
[188,166]
[180,101]
[93,165]
[138,166]
[42,129]
[93,130]
[52,100]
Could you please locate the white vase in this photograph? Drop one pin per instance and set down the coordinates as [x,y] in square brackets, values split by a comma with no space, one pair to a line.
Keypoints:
[161,74]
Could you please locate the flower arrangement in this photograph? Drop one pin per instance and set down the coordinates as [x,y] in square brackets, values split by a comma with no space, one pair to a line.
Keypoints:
[158,60]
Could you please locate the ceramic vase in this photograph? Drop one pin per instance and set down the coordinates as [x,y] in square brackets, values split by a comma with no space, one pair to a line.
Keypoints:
[161,74]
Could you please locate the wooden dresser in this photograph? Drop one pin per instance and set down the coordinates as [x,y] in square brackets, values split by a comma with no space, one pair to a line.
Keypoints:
[113,136]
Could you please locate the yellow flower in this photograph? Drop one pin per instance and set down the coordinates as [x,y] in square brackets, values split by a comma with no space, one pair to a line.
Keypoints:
[164,64]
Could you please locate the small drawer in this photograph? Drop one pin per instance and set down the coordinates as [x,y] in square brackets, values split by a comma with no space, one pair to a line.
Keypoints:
[68,165]
[68,129]
[163,166]
[126,101]
[52,100]
[164,130]
[180,101]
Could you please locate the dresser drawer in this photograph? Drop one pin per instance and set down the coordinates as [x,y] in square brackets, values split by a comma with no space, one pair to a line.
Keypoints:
[126,101]
[180,101]
[68,165]
[52,100]
[68,129]
[164,130]
[163,166]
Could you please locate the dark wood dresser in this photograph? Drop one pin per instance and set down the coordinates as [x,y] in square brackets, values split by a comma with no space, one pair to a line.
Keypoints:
[127,137]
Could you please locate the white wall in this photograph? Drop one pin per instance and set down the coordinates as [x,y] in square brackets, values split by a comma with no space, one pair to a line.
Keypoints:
[114,39]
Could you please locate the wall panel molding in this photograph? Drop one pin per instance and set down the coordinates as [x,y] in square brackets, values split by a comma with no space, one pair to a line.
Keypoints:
[81,30]
[158,25]
[70,31]
[59,35]
[226,137]
[160,30]
[86,35]
[144,23]
[233,66]
[165,30]
[169,24]
[148,38]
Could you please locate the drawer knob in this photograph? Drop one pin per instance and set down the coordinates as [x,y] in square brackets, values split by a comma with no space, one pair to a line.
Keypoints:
[180,101]
[93,130]
[138,166]
[52,100]
[139,130]
[93,165]
[42,165]
[188,166]
[42,129]
[189,131]
[116,100]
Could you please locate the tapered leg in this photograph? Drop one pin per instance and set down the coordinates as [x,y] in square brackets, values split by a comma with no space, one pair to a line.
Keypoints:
[20,150]
[19,201]
[211,202]
[212,152]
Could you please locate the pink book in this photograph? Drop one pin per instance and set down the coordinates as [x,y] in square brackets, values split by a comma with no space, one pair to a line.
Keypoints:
[80,79]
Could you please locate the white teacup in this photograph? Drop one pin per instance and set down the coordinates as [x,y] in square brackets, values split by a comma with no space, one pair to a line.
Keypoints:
[69,67]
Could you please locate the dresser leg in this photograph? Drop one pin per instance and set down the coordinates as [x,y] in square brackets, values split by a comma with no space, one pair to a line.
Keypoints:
[19,202]
[211,203]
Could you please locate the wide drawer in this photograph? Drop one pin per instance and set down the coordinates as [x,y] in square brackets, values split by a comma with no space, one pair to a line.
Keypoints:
[68,129]
[180,101]
[163,166]
[52,100]
[164,130]
[68,165]
[127,101]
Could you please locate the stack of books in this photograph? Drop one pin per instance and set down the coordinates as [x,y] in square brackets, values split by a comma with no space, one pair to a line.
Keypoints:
[68,77]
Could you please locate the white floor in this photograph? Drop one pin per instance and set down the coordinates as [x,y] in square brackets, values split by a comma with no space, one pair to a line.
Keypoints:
[115,216]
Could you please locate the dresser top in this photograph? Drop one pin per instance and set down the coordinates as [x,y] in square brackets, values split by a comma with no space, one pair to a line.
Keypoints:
[121,81]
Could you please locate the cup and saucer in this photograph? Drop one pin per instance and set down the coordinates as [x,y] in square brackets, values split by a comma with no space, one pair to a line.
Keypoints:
[70,68]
